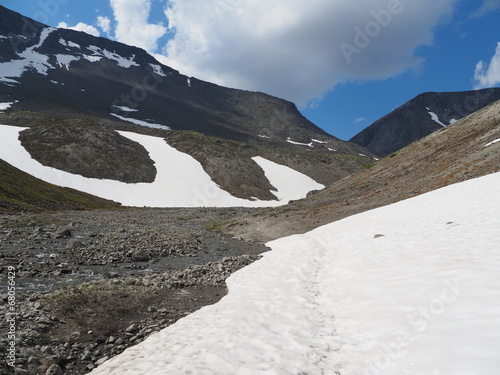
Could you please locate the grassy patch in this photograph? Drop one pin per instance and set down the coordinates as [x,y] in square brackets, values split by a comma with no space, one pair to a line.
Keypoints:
[214,226]
[368,166]
[97,306]
[92,297]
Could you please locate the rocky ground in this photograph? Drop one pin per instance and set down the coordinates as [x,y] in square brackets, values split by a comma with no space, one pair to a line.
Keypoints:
[73,147]
[90,284]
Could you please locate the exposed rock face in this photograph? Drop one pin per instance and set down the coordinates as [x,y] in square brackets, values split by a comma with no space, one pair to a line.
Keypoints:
[421,116]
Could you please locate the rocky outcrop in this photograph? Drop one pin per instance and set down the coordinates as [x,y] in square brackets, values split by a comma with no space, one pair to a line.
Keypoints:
[90,151]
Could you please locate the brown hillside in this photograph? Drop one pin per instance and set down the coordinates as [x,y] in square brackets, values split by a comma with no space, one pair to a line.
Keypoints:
[454,154]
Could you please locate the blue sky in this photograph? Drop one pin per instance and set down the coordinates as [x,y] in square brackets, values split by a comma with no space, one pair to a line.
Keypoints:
[345,64]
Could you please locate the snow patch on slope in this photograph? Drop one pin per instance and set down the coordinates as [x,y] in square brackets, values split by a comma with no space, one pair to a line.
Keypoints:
[125,109]
[66,60]
[180,181]
[318,141]
[5,106]
[492,142]
[92,58]
[287,181]
[140,122]
[421,298]
[299,143]
[157,69]
[29,59]
[435,118]
[69,43]
[124,62]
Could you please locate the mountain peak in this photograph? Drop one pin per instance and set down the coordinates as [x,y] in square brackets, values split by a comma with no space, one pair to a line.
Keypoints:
[420,116]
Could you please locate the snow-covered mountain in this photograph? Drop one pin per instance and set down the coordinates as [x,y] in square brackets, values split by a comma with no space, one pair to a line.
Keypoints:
[74,90]
[421,116]
[56,71]
[410,288]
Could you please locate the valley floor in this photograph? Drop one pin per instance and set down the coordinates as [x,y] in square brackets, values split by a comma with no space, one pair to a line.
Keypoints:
[83,278]
[410,288]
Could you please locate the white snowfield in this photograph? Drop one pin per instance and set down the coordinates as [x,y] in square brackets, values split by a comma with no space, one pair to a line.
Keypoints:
[423,299]
[180,180]
[29,59]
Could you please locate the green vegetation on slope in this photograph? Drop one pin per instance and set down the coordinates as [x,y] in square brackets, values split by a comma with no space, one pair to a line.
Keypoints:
[21,192]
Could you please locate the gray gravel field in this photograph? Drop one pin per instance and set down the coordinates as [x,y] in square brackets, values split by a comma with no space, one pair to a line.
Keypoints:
[89,284]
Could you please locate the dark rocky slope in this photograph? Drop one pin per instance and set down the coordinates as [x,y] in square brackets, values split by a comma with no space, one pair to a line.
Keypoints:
[95,76]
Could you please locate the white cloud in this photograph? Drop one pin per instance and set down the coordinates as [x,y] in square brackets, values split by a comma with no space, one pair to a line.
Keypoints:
[487,7]
[488,75]
[132,26]
[292,48]
[81,27]
[104,23]
[361,119]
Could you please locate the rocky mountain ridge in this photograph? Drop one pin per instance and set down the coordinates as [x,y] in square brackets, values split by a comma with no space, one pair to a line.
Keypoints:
[419,117]
[69,72]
